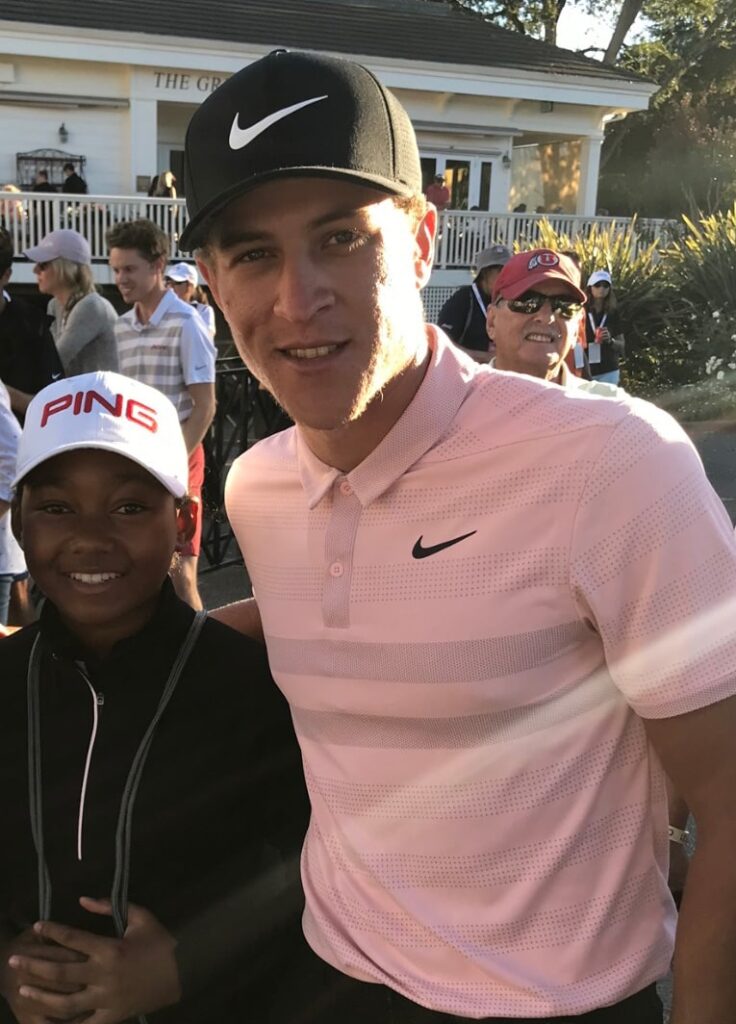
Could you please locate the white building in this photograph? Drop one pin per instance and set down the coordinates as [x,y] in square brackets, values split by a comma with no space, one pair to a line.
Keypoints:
[508,119]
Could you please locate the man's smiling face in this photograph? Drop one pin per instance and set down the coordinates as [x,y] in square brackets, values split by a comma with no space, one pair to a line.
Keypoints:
[535,343]
[319,280]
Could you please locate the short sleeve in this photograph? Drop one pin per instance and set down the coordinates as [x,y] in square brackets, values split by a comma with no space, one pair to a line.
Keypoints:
[653,568]
[9,437]
[198,352]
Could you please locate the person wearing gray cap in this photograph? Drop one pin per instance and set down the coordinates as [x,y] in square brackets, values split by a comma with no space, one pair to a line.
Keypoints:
[82,321]
[463,316]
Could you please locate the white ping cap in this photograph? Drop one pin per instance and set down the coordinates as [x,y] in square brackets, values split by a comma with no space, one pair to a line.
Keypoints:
[110,412]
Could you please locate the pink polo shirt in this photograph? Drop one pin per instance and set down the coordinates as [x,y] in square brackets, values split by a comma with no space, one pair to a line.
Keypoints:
[468,627]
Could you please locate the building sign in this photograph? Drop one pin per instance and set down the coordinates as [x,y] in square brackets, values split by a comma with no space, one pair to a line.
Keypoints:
[185,81]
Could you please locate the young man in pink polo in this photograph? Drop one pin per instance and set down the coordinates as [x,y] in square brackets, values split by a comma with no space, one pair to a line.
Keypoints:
[495,606]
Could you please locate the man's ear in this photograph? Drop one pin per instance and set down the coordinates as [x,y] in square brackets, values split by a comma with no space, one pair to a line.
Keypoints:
[187,516]
[206,270]
[15,523]
[490,318]
[426,235]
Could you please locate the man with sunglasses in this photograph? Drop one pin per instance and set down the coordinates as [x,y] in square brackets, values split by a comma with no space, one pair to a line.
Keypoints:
[535,317]
[535,312]
[493,605]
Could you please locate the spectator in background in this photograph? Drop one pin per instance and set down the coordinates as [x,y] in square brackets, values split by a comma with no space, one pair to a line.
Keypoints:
[463,316]
[183,279]
[82,321]
[536,332]
[163,342]
[521,208]
[438,193]
[42,184]
[73,183]
[165,186]
[12,563]
[11,210]
[603,329]
[28,357]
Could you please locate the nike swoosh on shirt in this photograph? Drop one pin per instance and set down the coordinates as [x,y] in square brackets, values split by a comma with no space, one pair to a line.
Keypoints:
[202,367]
[55,376]
[240,137]
[421,552]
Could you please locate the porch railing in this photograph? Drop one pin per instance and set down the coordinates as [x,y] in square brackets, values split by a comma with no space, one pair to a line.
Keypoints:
[28,216]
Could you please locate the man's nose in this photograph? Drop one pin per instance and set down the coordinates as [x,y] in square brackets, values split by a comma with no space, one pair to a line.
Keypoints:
[303,290]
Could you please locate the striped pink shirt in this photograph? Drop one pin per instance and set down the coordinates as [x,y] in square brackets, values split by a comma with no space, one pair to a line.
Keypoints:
[468,627]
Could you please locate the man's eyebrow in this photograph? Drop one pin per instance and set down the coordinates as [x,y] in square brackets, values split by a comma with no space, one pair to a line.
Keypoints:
[230,237]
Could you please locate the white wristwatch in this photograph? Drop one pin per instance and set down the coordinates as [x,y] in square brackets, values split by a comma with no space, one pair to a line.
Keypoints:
[678,835]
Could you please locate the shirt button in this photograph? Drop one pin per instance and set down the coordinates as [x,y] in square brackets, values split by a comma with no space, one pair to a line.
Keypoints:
[346,489]
[336,569]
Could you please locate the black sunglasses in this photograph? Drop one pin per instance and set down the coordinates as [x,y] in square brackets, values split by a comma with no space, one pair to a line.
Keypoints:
[601,284]
[46,263]
[531,302]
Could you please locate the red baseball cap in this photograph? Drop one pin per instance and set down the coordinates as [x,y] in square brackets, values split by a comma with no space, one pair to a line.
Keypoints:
[526,269]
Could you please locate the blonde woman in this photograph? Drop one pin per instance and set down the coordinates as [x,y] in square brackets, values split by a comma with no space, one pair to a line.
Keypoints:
[82,321]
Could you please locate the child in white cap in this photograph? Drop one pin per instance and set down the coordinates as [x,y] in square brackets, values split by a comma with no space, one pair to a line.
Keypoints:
[148,761]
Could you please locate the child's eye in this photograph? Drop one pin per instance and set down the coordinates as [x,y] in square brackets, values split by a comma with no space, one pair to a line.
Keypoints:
[54,508]
[130,508]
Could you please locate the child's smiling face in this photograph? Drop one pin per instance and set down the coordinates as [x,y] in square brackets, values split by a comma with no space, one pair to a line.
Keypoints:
[98,532]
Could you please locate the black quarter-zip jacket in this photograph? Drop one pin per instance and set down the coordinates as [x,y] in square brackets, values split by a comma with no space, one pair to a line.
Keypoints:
[220,813]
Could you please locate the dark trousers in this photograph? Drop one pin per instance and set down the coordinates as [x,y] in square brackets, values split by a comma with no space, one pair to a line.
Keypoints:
[315,993]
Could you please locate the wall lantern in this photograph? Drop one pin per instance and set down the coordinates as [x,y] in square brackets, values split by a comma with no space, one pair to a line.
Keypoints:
[63,134]
[506,160]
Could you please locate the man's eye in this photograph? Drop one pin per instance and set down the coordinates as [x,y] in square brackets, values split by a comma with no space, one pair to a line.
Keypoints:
[347,238]
[251,256]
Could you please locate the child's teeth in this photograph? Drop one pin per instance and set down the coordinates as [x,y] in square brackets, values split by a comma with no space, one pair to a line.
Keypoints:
[94,577]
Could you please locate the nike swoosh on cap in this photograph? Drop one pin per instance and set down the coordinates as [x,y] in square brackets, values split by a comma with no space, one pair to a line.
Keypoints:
[240,137]
[421,552]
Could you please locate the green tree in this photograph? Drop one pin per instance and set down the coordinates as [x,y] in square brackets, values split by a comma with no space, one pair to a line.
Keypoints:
[681,153]
[538,18]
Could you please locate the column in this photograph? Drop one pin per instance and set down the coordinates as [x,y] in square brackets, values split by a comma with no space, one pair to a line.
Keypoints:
[590,162]
[143,139]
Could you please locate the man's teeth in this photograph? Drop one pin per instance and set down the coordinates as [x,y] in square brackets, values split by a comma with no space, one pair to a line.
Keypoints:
[94,577]
[312,353]
[542,337]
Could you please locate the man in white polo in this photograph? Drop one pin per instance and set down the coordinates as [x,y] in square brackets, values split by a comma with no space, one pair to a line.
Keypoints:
[163,342]
[495,606]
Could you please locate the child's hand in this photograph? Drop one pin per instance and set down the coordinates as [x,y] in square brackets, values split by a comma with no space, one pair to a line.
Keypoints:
[118,979]
[28,946]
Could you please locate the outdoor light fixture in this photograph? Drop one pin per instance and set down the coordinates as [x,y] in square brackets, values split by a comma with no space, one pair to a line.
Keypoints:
[506,160]
[63,134]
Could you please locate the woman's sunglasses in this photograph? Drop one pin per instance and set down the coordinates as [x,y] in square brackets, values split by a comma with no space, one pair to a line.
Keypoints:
[531,302]
[42,266]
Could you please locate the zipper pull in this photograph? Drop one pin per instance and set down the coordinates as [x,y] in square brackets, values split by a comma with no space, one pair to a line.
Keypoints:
[100,699]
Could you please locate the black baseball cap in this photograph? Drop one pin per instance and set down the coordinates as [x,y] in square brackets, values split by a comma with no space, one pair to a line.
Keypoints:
[291,115]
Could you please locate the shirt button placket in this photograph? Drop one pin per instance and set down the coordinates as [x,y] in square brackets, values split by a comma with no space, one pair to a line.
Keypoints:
[339,544]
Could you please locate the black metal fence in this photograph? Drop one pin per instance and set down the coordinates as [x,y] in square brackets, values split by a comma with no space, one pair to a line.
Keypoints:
[245,414]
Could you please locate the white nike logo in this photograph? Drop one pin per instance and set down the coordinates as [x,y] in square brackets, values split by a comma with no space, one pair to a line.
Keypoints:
[240,137]
[55,376]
